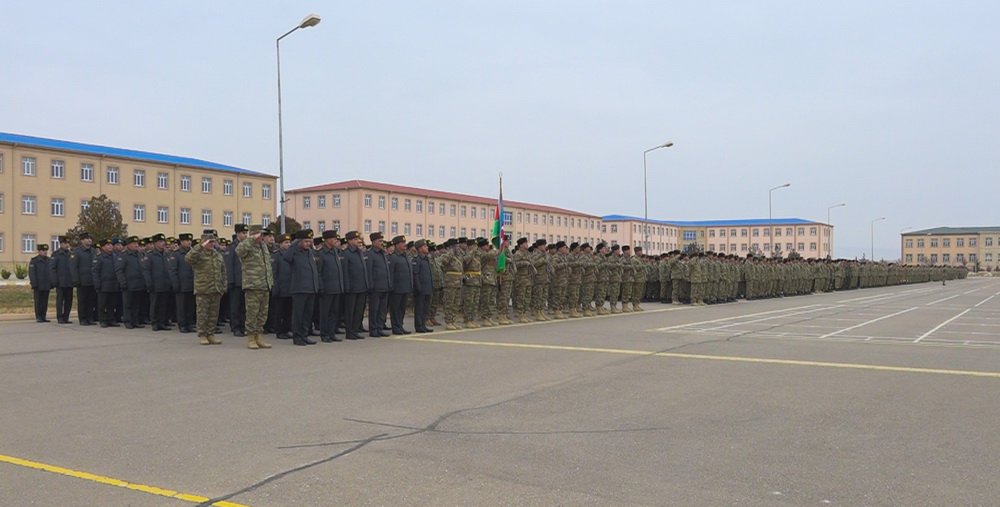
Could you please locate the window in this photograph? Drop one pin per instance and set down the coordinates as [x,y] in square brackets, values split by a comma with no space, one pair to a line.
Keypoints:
[777,232]
[406,229]
[28,205]
[368,200]
[420,229]
[688,235]
[711,233]
[945,257]
[453,212]
[247,190]
[430,230]
[788,231]
[959,241]
[743,247]
[473,213]
[206,217]
[368,226]
[246,219]
[508,218]
[946,242]
[84,205]
[430,207]
[441,209]
[614,228]
[86,172]
[441,231]
[58,169]
[960,258]
[186,216]
[227,218]
[989,241]
[206,185]
[3,244]
[711,247]
[321,225]
[407,205]
[989,256]
[395,203]
[802,247]
[934,258]
[1,172]
[812,231]
[265,191]
[139,213]
[185,183]
[162,214]
[28,243]
[381,226]
[482,212]
[972,257]
[755,233]
[767,232]
[112,175]
[420,206]
[722,233]
[58,207]
[394,230]
[452,232]
[139,177]
[812,247]
[909,243]
[934,243]
[788,247]
[909,258]
[28,166]
[743,232]
[465,233]
[227,187]
[635,227]
[306,202]
[381,202]
[265,220]
[920,243]
[161,181]
[306,224]
[972,242]
[320,201]
[463,212]
[336,225]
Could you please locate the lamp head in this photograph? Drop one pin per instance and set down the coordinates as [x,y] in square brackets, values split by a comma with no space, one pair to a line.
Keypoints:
[310,20]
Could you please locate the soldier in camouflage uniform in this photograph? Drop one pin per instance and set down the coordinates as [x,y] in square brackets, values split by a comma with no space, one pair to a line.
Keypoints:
[523,281]
[452,264]
[571,301]
[679,279]
[628,276]
[257,282]
[472,282]
[209,285]
[506,280]
[603,279]
[559,259]
[588,279]
[614,265]
[437,273]
[540,281]
[488,289]
[639,274]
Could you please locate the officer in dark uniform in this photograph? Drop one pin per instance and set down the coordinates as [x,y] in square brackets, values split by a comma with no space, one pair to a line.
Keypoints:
[156,272]
[423,286]
[358,283]
[281,296]
[182,284]
[305,284]
[83,279]
[106,283]
[40,277]
[62,279]
[331,270]
[402,284]
[118,308]
[378,294]
[234,274]
[128,268]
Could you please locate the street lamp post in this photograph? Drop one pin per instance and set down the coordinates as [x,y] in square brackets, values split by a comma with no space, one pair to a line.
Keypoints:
[770,228]
[310,20]
[873,236]
[829,225]
[645,200]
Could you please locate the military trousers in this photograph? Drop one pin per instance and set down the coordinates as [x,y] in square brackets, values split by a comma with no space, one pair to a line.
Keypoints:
[354,312]
[666,291]
[678,295]
[638,289]
[302,309]
[557,297]
[521,298]
[185,310]
[571,299]
[614,292]
[626,293]
[257,302]
[237,309]
[488,300]
[435,302]
[207,313]
[106,307]
[504,298]
[600,293]
[132,307]
[539,296]
[452,297]
[86,303]
[158,308]
[421,302]
[378,307]
[470,298]
[586,296]
[397,311]
[41,303]
[64,303]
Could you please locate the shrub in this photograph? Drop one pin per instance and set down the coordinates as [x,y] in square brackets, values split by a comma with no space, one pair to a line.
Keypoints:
[20,271]
[4,274]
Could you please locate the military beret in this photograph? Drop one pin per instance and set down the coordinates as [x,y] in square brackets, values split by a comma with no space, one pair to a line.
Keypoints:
[43,246]
[574,245]
[84,235]
[615,248]
[409,244]
[521,241]
[559,244]
[375,235]
[317,241]
[352,235]
[241,228]
[327,234]
[132,239]
[482,241]
[304,234]
[419,243]
[64,239]
[541,241]
[531,248]
[397,240]
[158,237]
[103,242]
[584,246]
[549,247]
[185,236]
[600,246]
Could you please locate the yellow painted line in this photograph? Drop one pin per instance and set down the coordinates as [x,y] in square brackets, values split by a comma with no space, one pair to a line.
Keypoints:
[737,359]
[110,481]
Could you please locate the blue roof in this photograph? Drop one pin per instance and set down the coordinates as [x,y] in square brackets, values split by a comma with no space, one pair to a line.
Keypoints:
[145,156]
[713,223]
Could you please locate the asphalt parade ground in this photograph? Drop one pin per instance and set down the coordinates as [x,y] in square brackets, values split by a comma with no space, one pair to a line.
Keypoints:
[887,396]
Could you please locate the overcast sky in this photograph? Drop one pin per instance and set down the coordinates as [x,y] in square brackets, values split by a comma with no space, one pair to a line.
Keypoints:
[892,107]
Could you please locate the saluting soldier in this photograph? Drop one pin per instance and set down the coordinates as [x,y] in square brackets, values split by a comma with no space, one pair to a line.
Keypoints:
[182,283]
[62,279]
[40,278]
[257,281]
[209,284]
[488,288]
[401,274]
[451,264]
[506,280]
[156,272]
[472,282]
[83,278]
[541,280]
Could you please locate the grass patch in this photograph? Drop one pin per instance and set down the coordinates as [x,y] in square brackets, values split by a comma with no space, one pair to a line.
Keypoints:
[17,299]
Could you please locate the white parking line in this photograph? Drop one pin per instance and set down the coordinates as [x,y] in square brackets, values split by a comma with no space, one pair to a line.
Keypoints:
[835,333]
[985,300]
[939,326]
[769,318]
[668,328]
[943,299]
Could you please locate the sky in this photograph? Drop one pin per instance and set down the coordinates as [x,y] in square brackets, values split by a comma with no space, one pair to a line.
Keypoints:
[891,107]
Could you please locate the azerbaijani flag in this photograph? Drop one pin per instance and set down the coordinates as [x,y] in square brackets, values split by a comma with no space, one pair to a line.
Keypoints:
[498,235]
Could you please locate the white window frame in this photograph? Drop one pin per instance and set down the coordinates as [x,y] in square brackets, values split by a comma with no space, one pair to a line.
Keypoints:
[227,186]
[29,166]
[29,205]
[246,218]
[368,226]
[227,218]
[29,243]
[381,202]
[306,202]
[185,183]
[206,184]
[57,206]
[58,169]
[162,181]
[321,201]
[336,200]
[86,172]
[265,220]
[139,213]
[368,200]
[185,216]
[162,214]
[206,217]
[111,175]
[247,190]
[138,178]
[265,191]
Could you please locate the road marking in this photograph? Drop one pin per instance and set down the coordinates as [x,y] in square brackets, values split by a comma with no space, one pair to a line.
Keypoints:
[865,323]
[769,318]
[110,481]
[939,326]
[985,300]
[731,318]
[736,359]
[942,299]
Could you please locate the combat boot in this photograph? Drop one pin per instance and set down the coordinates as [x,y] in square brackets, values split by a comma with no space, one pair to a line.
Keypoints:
[252,343]
[213,340]
[450,326]
[540,316]
[505,321]
[614,308]
[636,307]
[471,324]
[204,340]
[626,308]
[588,313]
[259,340]
[559,315]
[574,313]
[602,310]
[489,323]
